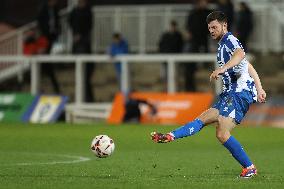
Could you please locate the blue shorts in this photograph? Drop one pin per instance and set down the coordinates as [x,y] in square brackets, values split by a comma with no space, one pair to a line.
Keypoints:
[234,104]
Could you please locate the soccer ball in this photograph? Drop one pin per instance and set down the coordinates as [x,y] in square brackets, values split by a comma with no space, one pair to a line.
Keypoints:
[103,146]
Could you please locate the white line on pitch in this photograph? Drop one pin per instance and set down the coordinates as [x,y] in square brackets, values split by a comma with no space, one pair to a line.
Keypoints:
[77,159]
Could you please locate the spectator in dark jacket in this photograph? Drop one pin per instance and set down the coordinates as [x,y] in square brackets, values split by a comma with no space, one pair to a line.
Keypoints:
[227,7]
[244,24]
[48,21]
[170,42]
[197,27]
[197,38]
[48,24]
[81,23]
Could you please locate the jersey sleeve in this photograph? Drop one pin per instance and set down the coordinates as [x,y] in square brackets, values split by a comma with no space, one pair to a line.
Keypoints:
[233,43]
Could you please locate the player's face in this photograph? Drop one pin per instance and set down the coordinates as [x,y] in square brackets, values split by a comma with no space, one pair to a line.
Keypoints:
[217,29]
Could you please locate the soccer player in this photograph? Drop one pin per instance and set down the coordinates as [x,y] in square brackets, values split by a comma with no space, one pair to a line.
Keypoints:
[241,88]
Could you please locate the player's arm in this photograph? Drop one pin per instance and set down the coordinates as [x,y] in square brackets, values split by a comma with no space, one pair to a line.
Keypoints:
[261,95]
[237,57]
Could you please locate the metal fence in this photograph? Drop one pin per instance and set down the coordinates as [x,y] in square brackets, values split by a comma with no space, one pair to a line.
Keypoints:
[170,59]
[143,25]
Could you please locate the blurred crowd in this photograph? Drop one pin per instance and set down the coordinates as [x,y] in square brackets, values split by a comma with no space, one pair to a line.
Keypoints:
[193,37]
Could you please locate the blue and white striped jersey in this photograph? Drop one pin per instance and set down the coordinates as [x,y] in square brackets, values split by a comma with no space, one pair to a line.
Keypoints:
[235,79]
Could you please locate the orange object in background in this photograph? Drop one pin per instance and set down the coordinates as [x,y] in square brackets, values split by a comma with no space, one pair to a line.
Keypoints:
[35,45]
[177,108]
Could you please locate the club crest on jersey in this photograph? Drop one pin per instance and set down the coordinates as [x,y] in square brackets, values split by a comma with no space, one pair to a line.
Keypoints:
[229,101]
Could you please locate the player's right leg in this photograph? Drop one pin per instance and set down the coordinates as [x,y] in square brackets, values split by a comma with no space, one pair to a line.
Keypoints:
[223,133]
[207,117]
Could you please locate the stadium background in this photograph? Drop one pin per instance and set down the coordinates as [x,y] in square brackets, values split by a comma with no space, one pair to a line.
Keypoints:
[26,92]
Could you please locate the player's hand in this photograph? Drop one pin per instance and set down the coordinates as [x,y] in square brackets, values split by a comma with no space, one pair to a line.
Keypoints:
[216,73]
[261,96]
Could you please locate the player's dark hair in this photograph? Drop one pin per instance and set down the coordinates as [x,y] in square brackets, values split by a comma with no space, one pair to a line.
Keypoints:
[217,15]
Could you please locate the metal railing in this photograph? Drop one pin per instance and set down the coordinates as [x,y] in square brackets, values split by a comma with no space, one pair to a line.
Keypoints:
[143,25]
[79,61]
[12,44]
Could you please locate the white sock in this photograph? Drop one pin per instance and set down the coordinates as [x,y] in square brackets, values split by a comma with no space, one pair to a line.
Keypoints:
[251,167]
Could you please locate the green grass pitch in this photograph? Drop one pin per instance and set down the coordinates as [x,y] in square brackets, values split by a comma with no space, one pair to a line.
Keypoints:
[59,156]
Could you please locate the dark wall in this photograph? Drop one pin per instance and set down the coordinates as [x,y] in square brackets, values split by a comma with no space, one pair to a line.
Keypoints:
[20,12]
[2,9]
[125,2]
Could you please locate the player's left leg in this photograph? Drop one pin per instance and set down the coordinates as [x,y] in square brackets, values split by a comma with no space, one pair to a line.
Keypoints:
[207,117]
[189,129]
[223,133]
